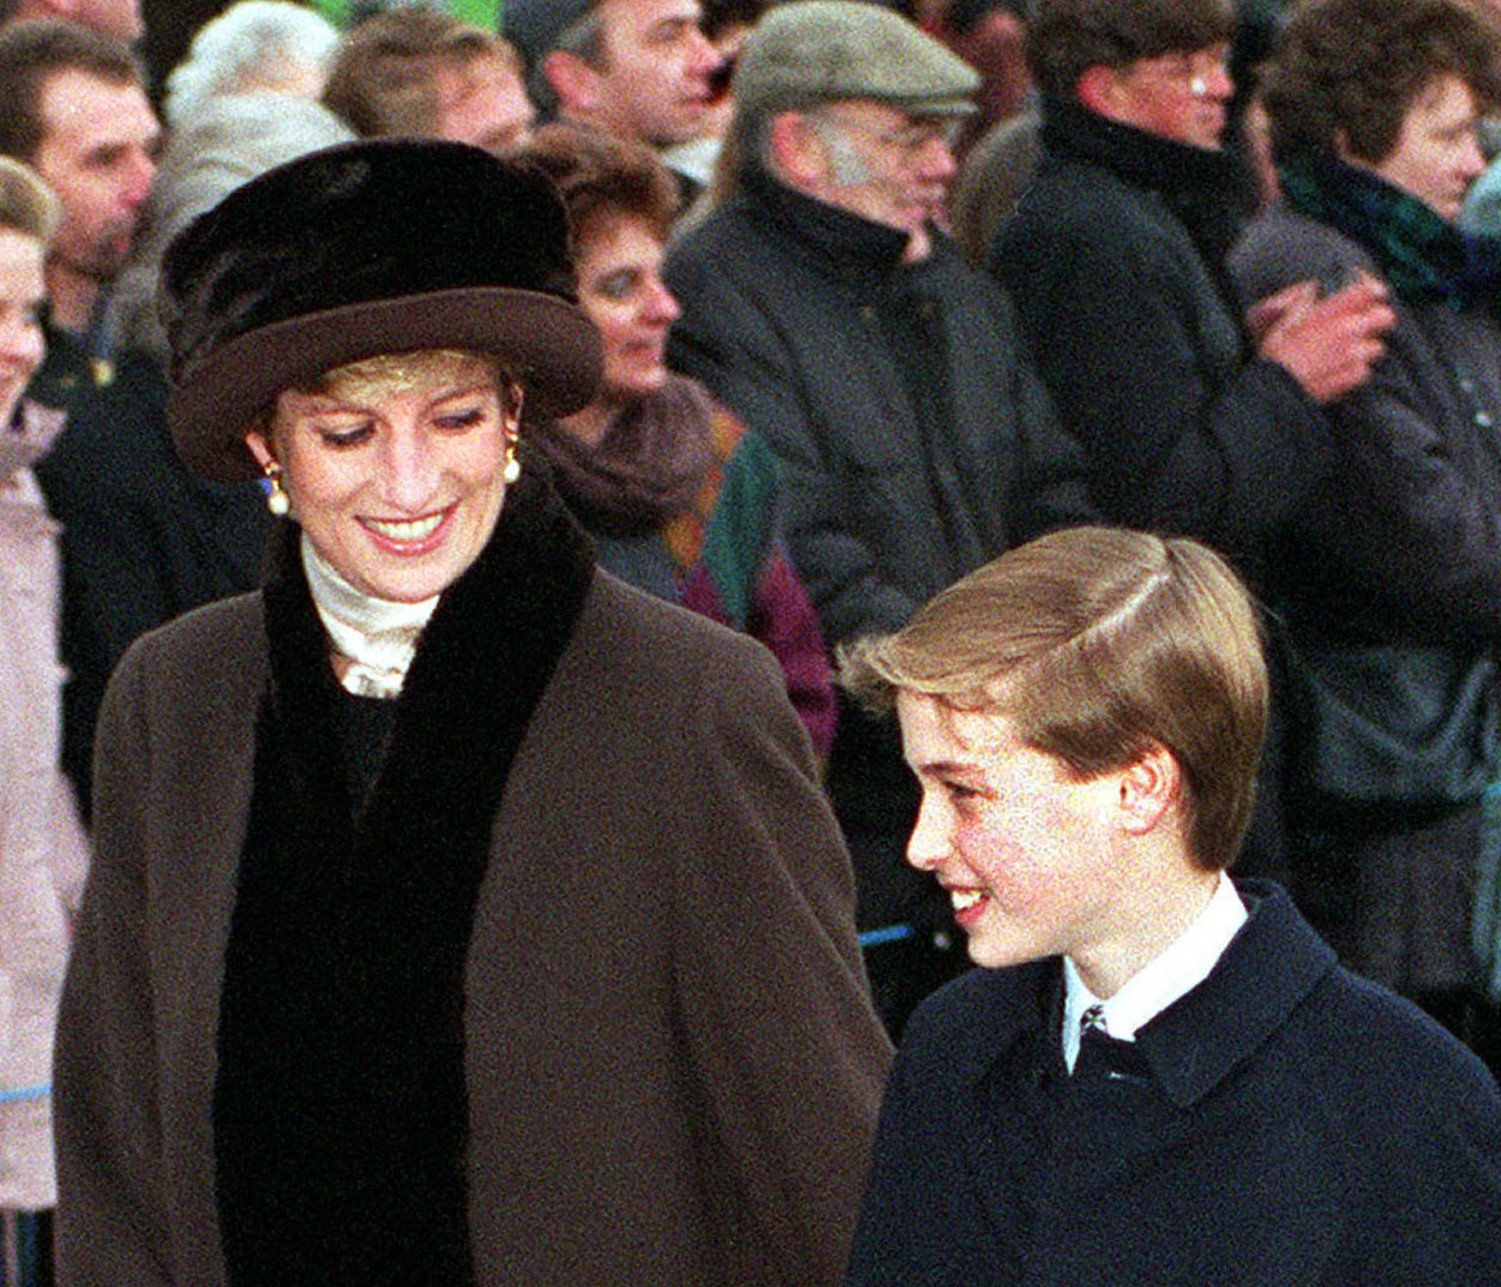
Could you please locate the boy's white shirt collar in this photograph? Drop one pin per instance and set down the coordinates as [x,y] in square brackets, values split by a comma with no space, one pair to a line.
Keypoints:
[1172,973]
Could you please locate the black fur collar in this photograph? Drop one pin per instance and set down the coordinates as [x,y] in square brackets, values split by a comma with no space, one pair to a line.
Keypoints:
[340,1112]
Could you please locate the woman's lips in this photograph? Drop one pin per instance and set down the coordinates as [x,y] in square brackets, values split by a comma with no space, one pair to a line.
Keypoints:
[410,536]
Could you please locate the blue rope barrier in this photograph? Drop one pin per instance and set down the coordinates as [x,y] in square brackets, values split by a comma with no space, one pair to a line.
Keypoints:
[886,934]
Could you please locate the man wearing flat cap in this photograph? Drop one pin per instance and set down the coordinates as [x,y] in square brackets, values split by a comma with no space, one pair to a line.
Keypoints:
[822,305]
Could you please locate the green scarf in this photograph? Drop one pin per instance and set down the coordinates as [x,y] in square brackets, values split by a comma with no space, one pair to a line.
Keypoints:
[1422,255]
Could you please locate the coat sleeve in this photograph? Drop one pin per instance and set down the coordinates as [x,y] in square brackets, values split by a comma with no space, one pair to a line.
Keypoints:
[725,341]
[776,1014]
[1420,1143]
[1419,528]
[1410,523]
[1169,446]
[111,1220]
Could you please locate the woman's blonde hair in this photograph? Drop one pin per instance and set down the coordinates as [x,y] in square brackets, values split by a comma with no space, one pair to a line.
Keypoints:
[27,205]
[378,375]
[1097,645]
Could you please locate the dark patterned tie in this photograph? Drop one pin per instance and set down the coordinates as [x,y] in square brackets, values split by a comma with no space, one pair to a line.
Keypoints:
[1101,1055]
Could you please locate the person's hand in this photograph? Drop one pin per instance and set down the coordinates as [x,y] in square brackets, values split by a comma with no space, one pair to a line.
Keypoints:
[1328,345]
[1290,299]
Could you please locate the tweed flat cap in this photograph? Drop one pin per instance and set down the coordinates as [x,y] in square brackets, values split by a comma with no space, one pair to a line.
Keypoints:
[819,51]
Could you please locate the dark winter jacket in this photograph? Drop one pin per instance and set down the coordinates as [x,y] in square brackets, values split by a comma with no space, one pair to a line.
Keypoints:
[1115,261]
[1284,1123]
[794,314]
[143,539]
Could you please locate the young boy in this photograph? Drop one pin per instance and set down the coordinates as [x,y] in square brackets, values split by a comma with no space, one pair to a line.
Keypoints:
[1162,1076]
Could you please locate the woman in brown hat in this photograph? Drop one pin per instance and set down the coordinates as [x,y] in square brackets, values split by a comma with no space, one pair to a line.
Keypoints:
[459,915]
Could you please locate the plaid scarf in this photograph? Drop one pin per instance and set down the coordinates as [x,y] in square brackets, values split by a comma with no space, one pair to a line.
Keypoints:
[1422,255]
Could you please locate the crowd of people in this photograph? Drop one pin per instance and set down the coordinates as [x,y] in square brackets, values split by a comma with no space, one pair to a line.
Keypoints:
[571,568]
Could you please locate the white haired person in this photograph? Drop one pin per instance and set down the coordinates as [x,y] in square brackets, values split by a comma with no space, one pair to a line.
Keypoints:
[243,100]
[459,914]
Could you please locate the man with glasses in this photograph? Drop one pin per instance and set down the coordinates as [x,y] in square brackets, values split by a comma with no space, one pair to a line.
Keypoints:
[822,305]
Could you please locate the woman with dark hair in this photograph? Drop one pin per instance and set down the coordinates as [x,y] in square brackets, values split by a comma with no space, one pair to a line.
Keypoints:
[681,500]
[458,913]
[1388,586]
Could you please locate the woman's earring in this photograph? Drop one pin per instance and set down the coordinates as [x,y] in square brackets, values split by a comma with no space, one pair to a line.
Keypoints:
[277,501]
[512,470]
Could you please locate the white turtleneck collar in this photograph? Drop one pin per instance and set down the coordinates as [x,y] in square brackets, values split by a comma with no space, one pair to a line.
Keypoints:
[379,638]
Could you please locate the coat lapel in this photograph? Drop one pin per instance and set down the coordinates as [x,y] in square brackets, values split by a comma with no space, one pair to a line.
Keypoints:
[343,1152]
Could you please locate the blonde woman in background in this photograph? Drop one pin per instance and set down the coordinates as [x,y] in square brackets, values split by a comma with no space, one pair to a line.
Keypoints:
[42,849]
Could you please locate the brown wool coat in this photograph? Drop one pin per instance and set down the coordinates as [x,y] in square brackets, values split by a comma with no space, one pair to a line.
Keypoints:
[672,1066]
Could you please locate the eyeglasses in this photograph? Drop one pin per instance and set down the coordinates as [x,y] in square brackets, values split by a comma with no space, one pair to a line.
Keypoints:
[910,139]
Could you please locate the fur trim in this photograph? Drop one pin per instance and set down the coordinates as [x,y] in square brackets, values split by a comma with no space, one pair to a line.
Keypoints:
[340,1111]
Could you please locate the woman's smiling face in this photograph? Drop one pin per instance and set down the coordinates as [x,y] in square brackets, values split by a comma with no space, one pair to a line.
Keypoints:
[395,467]
[21,293]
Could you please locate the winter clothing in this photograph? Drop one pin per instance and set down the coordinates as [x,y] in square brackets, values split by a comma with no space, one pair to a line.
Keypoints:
[1283,1123]
[43,852]
[1388,584]
[314,265]
[792,310]
[824,51]
[142,539]
[653,493]
[590,1011]
[1115,259]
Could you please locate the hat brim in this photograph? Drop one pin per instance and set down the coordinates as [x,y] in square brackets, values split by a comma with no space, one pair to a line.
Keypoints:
[550,347]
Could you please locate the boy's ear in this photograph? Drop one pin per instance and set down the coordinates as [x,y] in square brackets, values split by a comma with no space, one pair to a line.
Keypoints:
[1150,790]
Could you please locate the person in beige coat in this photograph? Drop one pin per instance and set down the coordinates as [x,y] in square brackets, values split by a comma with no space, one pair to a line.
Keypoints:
[43,855]
[459,915]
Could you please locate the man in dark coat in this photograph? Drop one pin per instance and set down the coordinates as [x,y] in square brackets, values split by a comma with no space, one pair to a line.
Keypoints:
[820,304]
[1161,1076]
[1116,261]
[1194,419]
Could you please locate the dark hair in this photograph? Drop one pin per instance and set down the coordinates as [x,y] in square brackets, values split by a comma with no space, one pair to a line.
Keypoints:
[1067,37]
[600,174]
[384,75]
[31,54]
[1355,68]
[722,14]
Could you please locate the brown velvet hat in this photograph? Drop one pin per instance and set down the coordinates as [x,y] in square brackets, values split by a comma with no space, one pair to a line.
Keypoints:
[380,246]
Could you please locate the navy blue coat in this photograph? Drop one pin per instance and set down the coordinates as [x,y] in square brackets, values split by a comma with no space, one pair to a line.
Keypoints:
[1289,1123]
